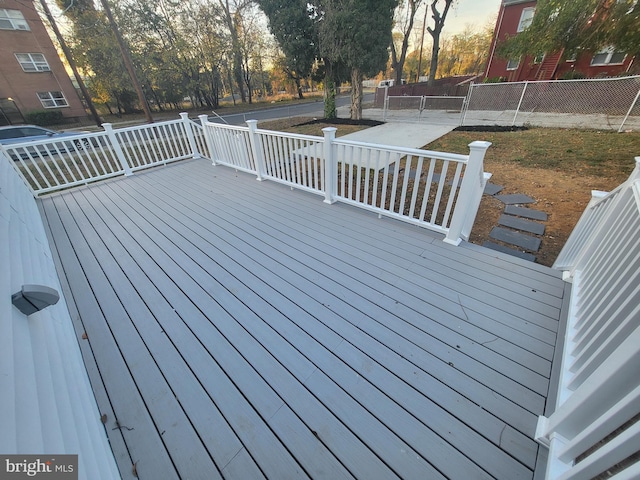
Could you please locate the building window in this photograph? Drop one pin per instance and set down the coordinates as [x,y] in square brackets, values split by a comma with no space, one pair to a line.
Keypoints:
[12,20]
[526,18]
[538,58]
[33,62]
[52,99]
[608,56]
[513,64]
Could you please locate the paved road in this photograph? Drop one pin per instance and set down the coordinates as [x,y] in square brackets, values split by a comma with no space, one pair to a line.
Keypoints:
[312,109]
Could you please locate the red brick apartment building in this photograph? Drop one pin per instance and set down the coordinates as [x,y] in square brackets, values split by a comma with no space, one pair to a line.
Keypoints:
[513,17]
[32,76]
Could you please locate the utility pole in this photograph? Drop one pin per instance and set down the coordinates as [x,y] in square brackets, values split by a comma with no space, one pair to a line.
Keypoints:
[72,63]
[127,61]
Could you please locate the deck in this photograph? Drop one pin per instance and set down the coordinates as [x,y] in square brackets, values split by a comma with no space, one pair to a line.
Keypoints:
[238,329]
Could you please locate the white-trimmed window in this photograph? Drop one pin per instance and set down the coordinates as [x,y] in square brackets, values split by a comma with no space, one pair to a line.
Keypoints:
[33,62]
[52,99]
[12,20]
[608,56]
[526,17]
[513,64]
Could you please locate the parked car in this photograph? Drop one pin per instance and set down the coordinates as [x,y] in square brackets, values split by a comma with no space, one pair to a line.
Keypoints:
[14,134]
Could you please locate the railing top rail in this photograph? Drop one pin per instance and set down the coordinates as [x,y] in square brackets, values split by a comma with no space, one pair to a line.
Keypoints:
[455,157]
[573,80]
[148,125]
[237,128]
[299,136]
[424,96]
[61,139]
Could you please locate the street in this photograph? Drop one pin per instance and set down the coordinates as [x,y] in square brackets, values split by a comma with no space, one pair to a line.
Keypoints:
[312,109]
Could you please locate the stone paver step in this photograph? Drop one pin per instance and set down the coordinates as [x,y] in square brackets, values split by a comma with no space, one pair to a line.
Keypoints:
[515,198]
[510,251]
[521,224]
[518,239]
[492,188]
[526,212]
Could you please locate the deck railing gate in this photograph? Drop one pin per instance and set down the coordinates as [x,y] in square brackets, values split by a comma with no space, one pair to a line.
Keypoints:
[595,428]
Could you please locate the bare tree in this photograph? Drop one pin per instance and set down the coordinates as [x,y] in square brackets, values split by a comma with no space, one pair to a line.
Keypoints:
[435,32]
[403,21]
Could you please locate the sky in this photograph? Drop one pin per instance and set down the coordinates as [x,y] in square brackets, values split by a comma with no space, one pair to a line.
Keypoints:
[472,12]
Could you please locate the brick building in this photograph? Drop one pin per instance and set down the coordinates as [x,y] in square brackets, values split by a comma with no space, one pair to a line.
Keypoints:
[32,77]
[513,17]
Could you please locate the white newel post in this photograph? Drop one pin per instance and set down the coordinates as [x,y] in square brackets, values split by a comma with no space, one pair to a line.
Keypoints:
[471,188]
[186,123]
[207,137]
[113,140]
[330,166]
[254,140]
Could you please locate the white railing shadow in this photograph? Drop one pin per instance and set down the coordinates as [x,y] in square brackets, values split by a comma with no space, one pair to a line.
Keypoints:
[594,426]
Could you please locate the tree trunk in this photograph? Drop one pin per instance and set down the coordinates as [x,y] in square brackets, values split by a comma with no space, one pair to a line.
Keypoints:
[299,87]
[434,58]
[329,98]
[356,94]
[439,19]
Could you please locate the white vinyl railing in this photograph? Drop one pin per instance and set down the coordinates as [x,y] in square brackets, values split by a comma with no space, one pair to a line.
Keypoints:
[62,162]
[595,426]
[436,190]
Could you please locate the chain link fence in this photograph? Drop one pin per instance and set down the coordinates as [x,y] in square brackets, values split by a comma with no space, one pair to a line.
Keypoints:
[420,104]
[611,103]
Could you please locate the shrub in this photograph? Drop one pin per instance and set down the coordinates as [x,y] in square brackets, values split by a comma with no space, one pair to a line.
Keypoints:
[573,75]
[44,117]
[494,80]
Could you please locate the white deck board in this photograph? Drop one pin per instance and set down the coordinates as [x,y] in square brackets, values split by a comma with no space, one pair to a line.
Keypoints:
[244,330]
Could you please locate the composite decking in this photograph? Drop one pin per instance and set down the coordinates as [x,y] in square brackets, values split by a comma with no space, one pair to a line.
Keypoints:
[238,329]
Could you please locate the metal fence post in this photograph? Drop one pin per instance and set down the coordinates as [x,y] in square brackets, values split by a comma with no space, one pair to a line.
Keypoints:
[471,188]
[524,90]
[330,166]
[186,123]
[465,104]
[117,149]
[207,138]
[254,140]
[633,104]
[385,103]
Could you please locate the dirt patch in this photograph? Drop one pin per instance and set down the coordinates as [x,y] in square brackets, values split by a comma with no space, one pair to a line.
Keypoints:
[558,168]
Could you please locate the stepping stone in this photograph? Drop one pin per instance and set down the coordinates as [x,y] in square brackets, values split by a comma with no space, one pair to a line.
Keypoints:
[521,224]
[514,198]
[492,189]
[510,251]
[526,212]
[516,238]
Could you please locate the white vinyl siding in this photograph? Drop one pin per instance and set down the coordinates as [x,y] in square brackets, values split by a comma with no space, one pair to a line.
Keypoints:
[52,99]
[12,20]
[33,62]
